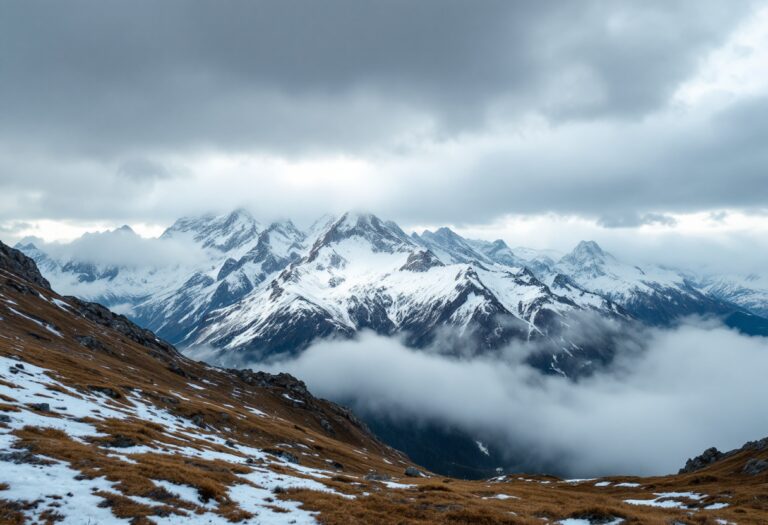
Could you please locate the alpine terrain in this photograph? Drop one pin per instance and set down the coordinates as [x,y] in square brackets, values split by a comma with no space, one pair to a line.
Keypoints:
[103,422]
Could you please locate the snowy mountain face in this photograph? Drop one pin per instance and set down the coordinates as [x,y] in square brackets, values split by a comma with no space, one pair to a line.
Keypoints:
[748,291]
[362,273]
[654,295]
[236,265]
[244,292]
[223,233]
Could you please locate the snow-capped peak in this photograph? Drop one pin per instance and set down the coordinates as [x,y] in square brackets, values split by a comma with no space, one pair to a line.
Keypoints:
[125,229]
[587,252]
[382,236]
[449,246]
[498,251]
[281,239]
[221,232]
[286,228]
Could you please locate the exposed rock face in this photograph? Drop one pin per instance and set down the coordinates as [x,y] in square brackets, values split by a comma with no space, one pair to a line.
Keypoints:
[752,467]
[705,459]
[19,264]
[755,466]
[413,472]
[421,261]
[295,392]
[103,316]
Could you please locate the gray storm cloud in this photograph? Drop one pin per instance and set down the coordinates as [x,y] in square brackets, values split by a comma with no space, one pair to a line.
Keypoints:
[100,77]
[693,387]
[118,101]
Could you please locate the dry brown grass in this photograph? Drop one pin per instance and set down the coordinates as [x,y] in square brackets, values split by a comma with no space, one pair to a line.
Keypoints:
[10,512]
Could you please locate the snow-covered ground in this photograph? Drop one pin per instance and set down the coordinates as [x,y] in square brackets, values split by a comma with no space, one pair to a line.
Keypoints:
[60,487]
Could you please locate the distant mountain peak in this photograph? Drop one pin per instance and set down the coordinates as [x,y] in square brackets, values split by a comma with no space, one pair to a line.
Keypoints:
[286,227]
[445,232]
[587,251]
[240,214]
[125,229]
[421,261]
[447,242]
[354,219]
[222,232]
[28,243]
[383,236]
[590,247]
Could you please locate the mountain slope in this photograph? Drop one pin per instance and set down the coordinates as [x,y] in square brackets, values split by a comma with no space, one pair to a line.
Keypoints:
[101,422]
[87,394]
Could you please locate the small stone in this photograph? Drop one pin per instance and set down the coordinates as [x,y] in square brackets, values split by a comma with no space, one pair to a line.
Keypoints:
[107,391]
[282,454]
[377,476]
[326,425]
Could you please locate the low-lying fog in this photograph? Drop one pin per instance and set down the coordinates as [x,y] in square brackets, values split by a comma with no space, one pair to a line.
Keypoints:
[692,387]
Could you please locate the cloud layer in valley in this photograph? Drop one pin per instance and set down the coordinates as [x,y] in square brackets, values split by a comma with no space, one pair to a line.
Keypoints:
[693,387]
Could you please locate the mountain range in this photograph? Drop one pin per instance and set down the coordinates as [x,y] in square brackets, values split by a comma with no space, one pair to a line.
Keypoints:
[101,421]
[233,291]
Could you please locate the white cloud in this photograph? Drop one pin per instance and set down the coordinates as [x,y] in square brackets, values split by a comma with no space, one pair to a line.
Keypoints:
[123,248]
[729,71]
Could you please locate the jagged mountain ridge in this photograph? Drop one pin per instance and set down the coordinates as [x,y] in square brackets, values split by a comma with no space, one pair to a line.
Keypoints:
[253,292]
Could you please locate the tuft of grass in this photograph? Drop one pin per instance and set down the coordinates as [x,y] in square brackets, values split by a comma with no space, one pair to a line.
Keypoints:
[11,513]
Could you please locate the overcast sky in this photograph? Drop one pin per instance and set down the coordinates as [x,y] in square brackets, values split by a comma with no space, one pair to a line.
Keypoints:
[640,124]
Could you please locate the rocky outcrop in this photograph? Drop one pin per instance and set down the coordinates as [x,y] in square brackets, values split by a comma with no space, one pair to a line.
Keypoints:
[753,466]
[17,263]
[421,261]
[103,316]
[701,461]
[295,391]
